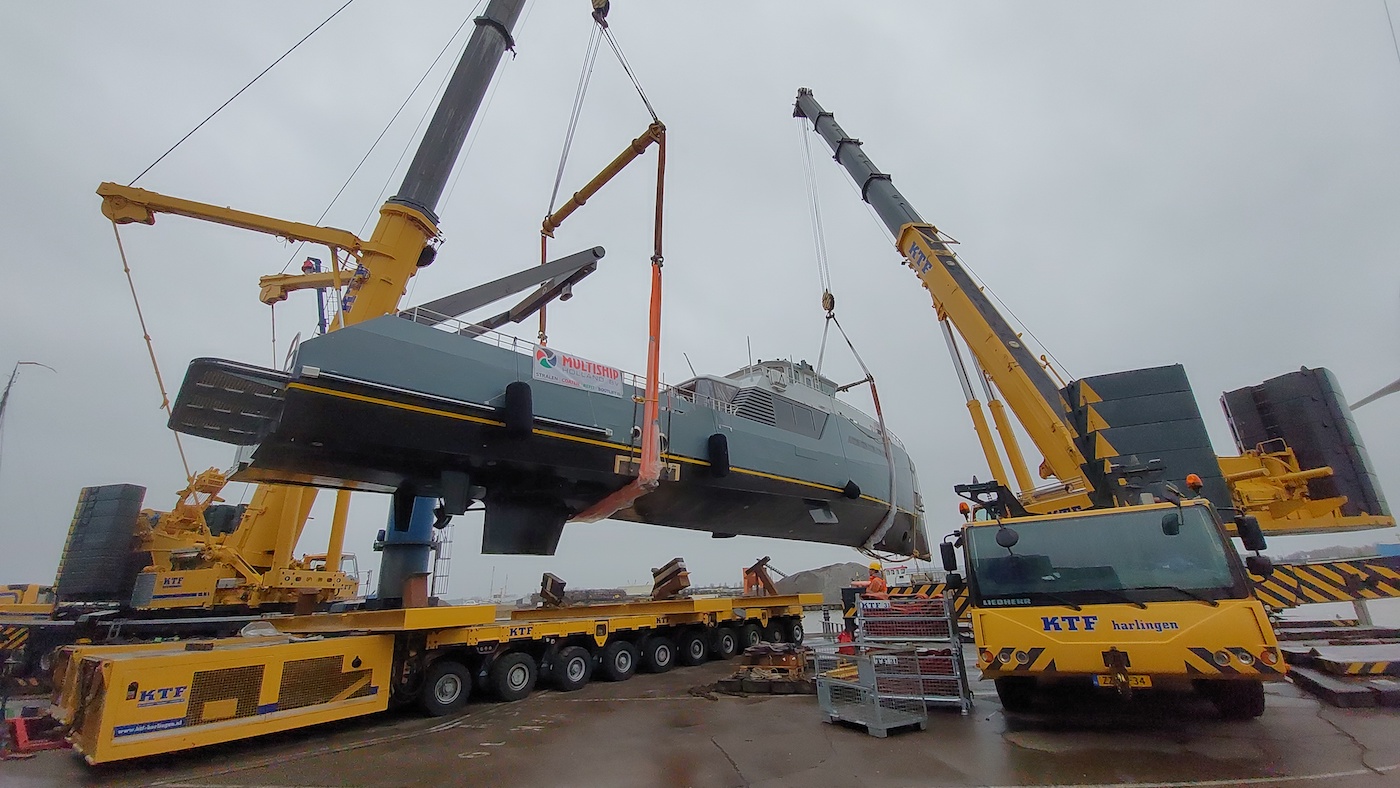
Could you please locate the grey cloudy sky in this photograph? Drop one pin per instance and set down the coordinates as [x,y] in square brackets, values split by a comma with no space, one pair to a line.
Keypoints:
[1211,183]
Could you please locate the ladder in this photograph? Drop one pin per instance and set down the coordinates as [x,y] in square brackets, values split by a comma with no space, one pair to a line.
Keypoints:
[442,560]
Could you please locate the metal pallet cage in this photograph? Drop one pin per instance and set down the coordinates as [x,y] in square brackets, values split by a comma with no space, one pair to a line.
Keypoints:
[864,688]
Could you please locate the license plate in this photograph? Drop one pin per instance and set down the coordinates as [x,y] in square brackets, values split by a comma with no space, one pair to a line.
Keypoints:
[1133,681]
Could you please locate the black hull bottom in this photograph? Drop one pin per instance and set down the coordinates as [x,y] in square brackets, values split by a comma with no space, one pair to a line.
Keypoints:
[339,434]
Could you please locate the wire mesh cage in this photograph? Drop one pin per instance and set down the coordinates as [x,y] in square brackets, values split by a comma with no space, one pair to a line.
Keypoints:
[865,689]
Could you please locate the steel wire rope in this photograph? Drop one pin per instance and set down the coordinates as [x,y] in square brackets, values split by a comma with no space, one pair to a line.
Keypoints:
[240,92]
[150,349]
[1389,23]
[475,130]
[981,283]
[585,77]
[829,304]
[627,67]
[297,252]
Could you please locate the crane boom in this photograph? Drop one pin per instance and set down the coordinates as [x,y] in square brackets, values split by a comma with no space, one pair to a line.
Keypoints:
[259,552]
[1030,393]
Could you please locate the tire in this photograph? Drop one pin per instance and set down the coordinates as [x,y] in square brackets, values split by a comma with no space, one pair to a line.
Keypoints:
[726,643]
[618,661]
[658,654]
[1017,693]
[1237,700]
[749,635]
[775,632]
[513,676]
[795,632]
[446,687]
[572,668]
[693,648]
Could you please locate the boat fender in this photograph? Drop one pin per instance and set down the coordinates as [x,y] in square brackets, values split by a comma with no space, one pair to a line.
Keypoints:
[427,256]
[718,447]
[851,490]
[519,410]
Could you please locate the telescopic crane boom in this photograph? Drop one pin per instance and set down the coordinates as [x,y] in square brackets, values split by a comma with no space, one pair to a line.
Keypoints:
[1073,426]
[254,565]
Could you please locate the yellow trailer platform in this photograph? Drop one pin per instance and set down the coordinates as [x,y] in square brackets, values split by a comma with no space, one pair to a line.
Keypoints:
[123,702]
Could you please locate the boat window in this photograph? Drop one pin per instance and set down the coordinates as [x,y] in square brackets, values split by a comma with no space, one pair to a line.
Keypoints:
[799,418]
[710,393]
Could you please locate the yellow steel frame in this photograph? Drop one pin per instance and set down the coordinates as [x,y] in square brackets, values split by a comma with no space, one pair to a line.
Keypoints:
[255,565]
[131,701]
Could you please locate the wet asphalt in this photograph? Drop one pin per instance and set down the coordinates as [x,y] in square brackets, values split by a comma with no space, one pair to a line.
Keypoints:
[664,730]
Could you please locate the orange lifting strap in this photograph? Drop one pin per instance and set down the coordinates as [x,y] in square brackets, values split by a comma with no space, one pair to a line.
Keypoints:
[650,471]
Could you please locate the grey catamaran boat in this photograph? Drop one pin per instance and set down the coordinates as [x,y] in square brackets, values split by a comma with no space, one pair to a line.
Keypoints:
[421,405]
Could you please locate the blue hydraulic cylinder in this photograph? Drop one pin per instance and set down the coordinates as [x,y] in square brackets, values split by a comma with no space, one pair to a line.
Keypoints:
[405,553]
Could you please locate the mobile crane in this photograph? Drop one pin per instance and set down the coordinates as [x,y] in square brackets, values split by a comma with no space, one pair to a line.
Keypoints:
[253,566]
[1110,575]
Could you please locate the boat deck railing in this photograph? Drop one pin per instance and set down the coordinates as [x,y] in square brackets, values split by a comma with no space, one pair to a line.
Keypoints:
[525,347]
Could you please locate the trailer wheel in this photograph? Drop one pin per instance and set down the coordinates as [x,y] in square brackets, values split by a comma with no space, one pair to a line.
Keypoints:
[1016,693]
[573,667]
[1237,700]
[775,632]
[749,635]
[726,643]
[446,687]
[658,654]
[694,647]
[619,661]
[513,676]
[795,632]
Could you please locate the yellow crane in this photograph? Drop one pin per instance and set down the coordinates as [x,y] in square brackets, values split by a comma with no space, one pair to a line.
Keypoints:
[1111,576]
[1073,426]
[254,566]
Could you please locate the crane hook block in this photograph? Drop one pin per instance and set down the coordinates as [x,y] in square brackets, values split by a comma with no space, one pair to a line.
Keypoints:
[828,301]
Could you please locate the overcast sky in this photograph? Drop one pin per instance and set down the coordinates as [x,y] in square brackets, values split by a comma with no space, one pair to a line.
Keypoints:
[1208,183]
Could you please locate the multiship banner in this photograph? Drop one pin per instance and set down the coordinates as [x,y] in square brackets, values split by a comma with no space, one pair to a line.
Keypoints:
[554,366]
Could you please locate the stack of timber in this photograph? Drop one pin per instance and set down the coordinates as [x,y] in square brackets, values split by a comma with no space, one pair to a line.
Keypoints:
[770,669]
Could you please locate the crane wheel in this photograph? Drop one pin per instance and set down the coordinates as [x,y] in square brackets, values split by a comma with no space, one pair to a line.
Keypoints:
[658,654]
[1016,693]
[726,643]
[513,676]
[446,687]
[693,647]
[618,661]
[1236,700]
[749,635]
[572,669]
[795,632]
[775,632]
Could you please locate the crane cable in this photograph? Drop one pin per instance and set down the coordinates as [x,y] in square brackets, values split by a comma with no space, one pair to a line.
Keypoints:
[150,349]
[627,67]
[829,304]
[240,92]
[585,77]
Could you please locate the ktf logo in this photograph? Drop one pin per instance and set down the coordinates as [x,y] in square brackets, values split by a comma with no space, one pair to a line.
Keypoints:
[158,697]
[1068,623]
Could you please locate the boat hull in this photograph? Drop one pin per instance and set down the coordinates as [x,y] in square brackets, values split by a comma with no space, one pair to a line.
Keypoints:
[392,406]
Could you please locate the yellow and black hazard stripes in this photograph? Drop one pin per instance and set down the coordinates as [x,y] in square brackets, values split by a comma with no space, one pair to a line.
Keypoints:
[1390,668]
[1292,585]
[1234,661]
[13,637]
[1023,660]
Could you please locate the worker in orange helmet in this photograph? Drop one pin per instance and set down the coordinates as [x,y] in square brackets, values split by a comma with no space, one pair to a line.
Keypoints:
[876,587]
